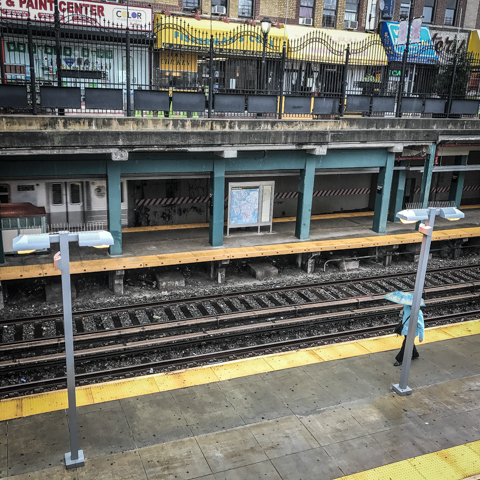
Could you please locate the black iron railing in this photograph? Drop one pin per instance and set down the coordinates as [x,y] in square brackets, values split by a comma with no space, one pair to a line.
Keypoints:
[173,69]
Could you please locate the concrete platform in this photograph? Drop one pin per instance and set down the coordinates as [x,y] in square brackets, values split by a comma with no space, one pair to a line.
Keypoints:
[321,413]
[176,244]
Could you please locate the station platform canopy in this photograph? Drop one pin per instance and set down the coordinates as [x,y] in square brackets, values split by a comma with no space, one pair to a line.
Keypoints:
[329,46]
[474,42]
[190,33]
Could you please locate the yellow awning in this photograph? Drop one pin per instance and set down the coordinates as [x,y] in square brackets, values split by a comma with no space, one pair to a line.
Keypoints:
[186,31]
[474,42]
[328,46]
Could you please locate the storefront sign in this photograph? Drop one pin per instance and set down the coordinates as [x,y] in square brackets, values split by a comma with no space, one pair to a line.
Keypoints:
[444,41]
[99,14]
[388,9]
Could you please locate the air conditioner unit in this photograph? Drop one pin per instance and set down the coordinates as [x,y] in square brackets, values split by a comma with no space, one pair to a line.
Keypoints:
[350,25]
[219,9]
[305,21]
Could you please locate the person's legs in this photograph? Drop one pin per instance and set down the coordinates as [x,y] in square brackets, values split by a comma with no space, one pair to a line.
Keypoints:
[399,357]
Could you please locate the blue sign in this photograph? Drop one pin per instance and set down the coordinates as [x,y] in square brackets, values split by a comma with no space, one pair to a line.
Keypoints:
[387,12]
[423,52]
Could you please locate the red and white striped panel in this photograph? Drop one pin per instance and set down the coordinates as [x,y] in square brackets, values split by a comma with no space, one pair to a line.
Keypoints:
[469,188]
[341,191]
[278,196]
[170,201]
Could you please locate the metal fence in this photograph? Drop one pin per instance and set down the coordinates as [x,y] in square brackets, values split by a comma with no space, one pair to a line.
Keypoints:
[177,70]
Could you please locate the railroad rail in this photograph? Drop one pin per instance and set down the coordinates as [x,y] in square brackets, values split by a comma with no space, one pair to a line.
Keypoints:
[258,325]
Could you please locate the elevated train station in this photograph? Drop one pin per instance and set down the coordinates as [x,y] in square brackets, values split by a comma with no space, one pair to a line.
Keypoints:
[241,153]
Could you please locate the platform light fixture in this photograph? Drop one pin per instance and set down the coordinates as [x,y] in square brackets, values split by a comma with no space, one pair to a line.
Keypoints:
[75,457]
[412,215]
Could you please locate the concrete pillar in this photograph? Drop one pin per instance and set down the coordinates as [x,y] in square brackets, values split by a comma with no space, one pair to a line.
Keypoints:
[382,198]
[115,281]
[305,197]
[114,196]
[217,270]
[217,203]
[458,178]
[397,195]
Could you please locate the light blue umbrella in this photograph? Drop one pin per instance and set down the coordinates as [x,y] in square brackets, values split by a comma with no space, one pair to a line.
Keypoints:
[403,298]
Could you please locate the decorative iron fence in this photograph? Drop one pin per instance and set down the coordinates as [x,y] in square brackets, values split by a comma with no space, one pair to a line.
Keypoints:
[173,68]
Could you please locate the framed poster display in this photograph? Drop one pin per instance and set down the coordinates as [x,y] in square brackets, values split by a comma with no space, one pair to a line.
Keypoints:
[250,204]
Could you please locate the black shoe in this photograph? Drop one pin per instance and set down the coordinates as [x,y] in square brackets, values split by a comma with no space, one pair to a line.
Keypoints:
[415,358]
[397,364]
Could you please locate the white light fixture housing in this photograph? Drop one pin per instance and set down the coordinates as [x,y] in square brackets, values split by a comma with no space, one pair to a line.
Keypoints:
[265,24]
[95,239]
[412,215]
[451,213]
[37,241]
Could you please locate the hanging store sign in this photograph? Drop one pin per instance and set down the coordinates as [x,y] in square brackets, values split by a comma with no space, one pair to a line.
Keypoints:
[388,9]
[85,13]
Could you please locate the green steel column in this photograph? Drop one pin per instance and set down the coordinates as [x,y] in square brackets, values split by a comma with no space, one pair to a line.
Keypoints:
[114,198]
[456,186]
[2,253]
[397,195]
[382,197]
[427,177]
[217,203]
[305,196]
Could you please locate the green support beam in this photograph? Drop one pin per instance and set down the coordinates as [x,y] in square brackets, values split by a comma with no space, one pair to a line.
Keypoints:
[114,198]
[427,177]
[305,197]
[397,195]
[382,197]
[217,203]
[458,178]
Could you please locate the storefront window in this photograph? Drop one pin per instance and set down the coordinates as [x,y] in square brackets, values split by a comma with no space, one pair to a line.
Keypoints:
[245,8]
[428,8]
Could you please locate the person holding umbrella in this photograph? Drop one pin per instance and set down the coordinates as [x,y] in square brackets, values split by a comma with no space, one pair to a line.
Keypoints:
[405,298]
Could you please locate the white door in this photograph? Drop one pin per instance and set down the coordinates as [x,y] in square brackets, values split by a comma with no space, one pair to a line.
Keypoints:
[66,203]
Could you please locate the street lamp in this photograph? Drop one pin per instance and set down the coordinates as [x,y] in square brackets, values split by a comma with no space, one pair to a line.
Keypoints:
[29,243]
[265,25]
[404,60]
[414,215]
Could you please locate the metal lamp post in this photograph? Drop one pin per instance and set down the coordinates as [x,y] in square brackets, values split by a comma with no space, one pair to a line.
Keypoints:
[404,60]
[413,216]
[29,243]
[265,24]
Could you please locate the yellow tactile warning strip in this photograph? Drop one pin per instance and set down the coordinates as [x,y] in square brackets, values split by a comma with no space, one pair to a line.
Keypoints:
[126,388]
[324,216]
[454,463]
[125,263]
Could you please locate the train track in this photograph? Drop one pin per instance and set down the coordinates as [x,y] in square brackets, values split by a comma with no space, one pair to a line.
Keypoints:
[222,328]
[132,316]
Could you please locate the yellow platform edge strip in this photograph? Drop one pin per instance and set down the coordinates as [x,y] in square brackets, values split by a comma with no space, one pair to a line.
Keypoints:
[123,263]
[456,463]
[155,383]
[323,216]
